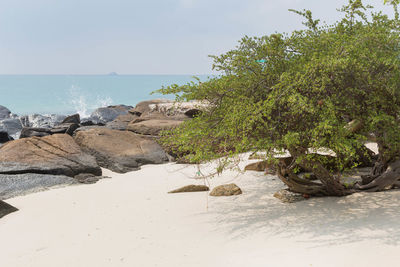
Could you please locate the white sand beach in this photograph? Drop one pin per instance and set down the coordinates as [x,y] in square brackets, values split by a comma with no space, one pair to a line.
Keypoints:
[130,220]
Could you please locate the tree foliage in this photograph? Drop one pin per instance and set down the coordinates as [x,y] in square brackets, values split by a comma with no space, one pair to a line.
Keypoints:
[299,91]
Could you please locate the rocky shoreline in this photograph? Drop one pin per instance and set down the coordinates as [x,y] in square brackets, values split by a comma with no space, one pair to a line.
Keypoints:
[38,152]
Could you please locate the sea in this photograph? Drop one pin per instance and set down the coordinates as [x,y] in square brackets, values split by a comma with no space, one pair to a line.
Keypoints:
[69,94]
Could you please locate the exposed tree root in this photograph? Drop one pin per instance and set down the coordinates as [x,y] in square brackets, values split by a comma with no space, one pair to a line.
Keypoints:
[386,180]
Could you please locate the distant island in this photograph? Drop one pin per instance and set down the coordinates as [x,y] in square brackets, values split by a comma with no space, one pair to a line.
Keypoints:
[113,74]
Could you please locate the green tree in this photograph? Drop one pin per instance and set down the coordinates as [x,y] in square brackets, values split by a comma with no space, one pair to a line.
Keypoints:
[304,91]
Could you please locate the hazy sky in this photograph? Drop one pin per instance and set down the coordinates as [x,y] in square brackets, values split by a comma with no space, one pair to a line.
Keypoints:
[138,36]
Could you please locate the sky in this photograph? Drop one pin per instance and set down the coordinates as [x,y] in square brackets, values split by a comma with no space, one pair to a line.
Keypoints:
[139,36]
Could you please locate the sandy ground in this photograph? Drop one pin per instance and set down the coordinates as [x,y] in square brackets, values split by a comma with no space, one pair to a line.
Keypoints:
[130,220]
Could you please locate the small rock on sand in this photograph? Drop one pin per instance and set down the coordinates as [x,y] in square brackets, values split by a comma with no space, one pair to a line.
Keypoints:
[190,188]
[288,197]
[226,190]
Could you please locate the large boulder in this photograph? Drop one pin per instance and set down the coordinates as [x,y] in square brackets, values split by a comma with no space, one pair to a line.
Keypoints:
[5,113]
[106,114]
[55,154]
[41,121]
[144,106]
[12,185]
[161,109]
[11,126]
[120,151]
[121,122]
[152,127]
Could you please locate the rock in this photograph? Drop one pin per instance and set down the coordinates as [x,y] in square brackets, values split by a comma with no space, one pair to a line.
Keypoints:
[4,137]
[67,128]
[226,190]
[144,106]
[85,128]
[259,166]
[88,122]
[72,119]
[171,109]
[6,209]
[87,178]
[11,126]
[12,185]
[31,132]
[288,197]
[190,188]
[121,122]
[55,154]
[41,121]
[153,127]
[5,113]
[167,110]
[120,151]
[107,114]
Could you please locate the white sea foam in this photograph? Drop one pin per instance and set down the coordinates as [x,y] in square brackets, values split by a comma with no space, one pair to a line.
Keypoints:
[84,104]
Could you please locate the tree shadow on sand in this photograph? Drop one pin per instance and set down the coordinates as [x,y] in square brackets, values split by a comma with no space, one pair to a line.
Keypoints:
[322,221]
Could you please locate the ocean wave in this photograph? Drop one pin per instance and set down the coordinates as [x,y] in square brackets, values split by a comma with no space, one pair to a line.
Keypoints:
[85,104]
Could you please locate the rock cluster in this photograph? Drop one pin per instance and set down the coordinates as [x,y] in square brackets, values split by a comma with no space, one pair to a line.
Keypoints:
[62,150]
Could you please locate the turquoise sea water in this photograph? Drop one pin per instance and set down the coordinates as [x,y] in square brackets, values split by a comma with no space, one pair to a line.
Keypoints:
[66,94]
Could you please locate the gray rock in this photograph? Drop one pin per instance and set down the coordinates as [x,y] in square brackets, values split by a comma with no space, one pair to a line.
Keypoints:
[288,197]
[31,132]
[22,184]
[68,128]
[6,209]
[41,121]
[11,126]
[72,119]
[5,113]
[226,190]
[4,137]
[87,178]
[107,114]
[121,122]
[190,188]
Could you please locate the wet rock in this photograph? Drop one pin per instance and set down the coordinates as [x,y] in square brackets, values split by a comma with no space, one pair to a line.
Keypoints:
[120,151]
[5,113]
[55,154]
[190,188]
[6,209]
[12,185]
[72,119]
[41,121]
[153,127]
[11,126]
[289,197]
[107,114]
[226,190]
